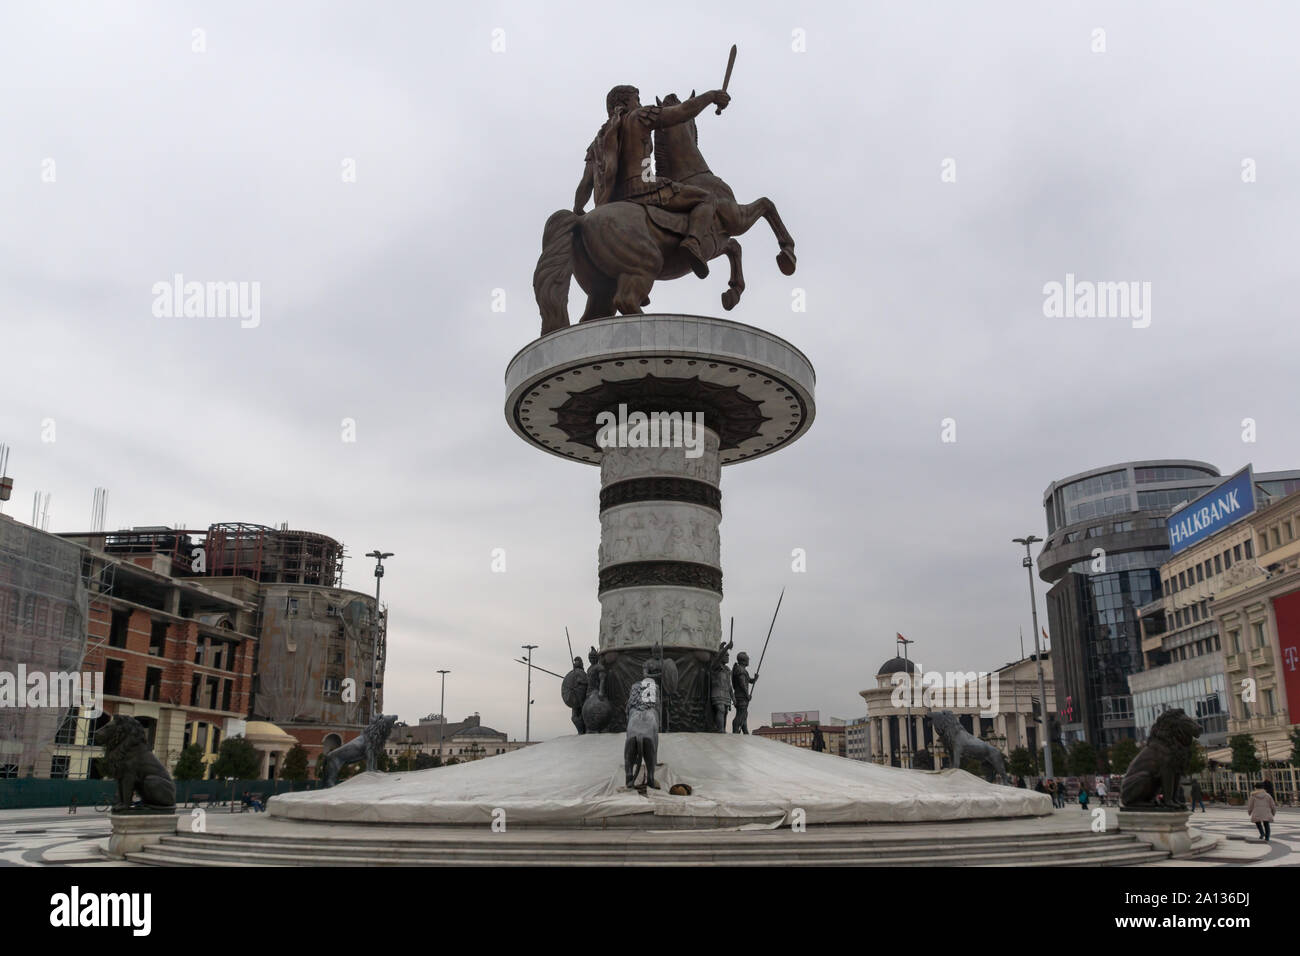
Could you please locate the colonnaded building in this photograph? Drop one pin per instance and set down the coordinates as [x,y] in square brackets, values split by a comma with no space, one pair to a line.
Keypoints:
[896,734]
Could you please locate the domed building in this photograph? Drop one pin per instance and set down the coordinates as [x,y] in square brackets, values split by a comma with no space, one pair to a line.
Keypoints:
[898,723]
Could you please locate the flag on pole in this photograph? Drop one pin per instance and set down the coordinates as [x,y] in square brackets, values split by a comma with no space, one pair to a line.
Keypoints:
[902,639]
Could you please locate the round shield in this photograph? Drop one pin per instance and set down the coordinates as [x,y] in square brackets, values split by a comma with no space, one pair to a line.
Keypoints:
[574,689]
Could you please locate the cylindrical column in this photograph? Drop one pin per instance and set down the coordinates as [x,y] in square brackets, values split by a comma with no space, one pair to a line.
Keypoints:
[660,567]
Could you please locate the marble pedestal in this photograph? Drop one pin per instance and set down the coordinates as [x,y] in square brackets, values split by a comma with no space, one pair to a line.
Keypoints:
[656,379]
[133,831]
[1162,829]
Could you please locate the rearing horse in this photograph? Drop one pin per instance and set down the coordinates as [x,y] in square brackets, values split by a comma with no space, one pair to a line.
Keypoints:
[618,250]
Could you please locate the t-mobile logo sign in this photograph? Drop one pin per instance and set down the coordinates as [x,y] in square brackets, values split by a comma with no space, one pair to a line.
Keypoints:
[1292,656]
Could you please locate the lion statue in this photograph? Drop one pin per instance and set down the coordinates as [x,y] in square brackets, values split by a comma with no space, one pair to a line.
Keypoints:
[365,747]
[128,760]
[1159,765]
[961,743]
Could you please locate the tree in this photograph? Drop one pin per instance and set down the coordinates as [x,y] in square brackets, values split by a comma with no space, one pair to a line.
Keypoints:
[1295,747]
[923,760]
[238,759]
[1059,759]
[190,765]
[1198,761]
[1122,753]
[1082,759]
[1103,760]
[295,764]
[1021,762]
[425,761]
[1244,758]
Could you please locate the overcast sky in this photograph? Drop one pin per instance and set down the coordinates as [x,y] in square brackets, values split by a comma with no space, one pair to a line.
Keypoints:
[924,297]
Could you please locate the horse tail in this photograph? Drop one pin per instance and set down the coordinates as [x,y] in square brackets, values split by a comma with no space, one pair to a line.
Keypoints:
[554,270]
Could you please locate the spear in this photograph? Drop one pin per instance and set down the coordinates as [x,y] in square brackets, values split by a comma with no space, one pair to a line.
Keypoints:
[769,635]
[536,667]
[567,641]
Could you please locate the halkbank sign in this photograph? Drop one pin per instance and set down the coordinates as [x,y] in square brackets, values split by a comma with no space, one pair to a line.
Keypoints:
[1209,514]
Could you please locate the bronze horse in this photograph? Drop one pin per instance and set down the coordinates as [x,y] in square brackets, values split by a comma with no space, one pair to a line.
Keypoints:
[618,250]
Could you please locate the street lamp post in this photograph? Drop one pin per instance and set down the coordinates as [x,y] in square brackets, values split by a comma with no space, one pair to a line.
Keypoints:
[1028,564]
[379,557]
[442,715]
[528,711]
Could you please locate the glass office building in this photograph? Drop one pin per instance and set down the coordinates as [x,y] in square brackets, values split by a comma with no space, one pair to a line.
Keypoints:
[1105,545]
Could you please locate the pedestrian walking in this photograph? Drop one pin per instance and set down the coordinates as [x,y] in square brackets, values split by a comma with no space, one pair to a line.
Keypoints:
[1262,809]
[1197,797]
[1101,791]
[1083,799]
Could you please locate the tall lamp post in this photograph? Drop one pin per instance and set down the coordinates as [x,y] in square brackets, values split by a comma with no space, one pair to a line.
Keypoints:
[442,715]
[528,711]
[1028,564]
[374,656]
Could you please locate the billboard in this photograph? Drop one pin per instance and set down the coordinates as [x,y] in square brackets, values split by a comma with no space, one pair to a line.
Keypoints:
[1224,505]
[793,718]
[1287,611]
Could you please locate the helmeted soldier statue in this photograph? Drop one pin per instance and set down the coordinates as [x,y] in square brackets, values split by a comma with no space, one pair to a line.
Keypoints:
[741,689]
[574,693]
[720,689]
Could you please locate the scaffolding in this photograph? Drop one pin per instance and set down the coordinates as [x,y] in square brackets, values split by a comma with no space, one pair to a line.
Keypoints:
[43,609]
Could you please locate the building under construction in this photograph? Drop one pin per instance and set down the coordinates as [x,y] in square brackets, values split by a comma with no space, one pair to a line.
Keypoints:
[200,635]
[43,612]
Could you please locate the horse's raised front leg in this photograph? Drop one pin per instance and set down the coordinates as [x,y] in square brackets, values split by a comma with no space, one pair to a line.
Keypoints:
[736,284]
[736,219]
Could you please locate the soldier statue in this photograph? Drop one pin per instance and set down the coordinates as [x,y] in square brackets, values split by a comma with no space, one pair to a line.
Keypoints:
[574,693]
[596,710]
[742,686]
[720,689]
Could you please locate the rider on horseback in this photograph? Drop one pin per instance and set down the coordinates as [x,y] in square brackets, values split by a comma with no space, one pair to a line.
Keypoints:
[618,165]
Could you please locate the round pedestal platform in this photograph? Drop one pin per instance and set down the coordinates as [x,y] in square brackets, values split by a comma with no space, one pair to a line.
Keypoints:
[734,778]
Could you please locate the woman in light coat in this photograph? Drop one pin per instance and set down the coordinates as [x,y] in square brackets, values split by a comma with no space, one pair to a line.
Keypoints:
[1262,809]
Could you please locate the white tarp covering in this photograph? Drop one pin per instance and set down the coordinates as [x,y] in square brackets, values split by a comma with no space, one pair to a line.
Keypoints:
[734,777]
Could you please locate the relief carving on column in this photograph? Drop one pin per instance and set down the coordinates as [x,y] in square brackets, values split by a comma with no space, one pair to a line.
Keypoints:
[635,617]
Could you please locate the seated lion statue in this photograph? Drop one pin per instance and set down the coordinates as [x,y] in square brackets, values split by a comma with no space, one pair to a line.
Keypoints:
[1159,765]
[128,760]
[961,743]
[365,747]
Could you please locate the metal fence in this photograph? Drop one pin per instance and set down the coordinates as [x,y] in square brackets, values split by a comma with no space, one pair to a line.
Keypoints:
[28,793]
[1226,785]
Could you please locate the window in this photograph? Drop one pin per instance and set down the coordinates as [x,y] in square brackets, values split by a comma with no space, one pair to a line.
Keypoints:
[291,607]
[1218,565]
[199,648]
[1277,538]
[1200,574]
[1250,549]
[225,694]
[113,677]
[157,638]
[1236,552]
[59,764]
[67,734]
[1227,560]
[331,686]
[1182,580]
[1260,639]
[117,629]
[1234,638]
[194,690]
[1096,531]
[152,683]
